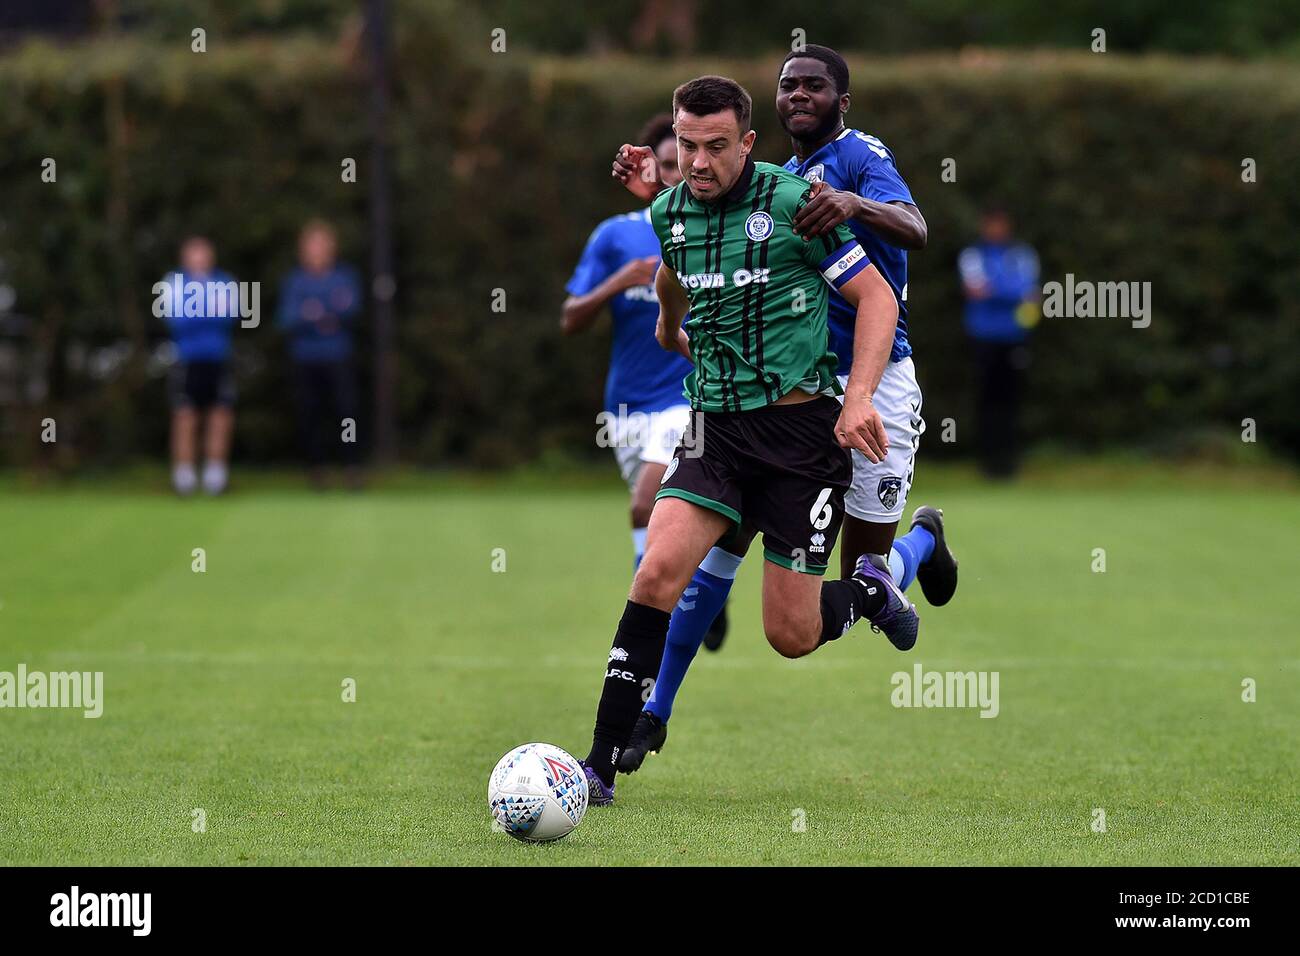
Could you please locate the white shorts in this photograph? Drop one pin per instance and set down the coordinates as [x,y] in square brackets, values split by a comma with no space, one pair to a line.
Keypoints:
[879,491]
[642,437]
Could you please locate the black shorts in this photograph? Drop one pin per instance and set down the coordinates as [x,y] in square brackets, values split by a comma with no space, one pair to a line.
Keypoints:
[778,468]
[201,385]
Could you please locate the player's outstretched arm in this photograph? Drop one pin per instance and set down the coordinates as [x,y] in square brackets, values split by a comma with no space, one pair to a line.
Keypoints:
[898,223]
[860,425]
[580,311]
[673,306]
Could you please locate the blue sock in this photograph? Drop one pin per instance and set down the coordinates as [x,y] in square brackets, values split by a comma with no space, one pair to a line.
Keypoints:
[909,553]
[638,547]
[700,604]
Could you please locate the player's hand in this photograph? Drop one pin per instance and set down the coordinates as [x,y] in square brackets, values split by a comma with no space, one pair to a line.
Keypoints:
[861,427]
[636,272]
[638,170]
[828,208]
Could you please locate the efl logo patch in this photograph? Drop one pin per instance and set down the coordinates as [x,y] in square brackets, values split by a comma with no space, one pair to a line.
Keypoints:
[758,226]
[889,490]
[814,173]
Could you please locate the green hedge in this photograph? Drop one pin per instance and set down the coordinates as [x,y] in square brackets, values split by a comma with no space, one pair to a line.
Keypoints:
[1119,169]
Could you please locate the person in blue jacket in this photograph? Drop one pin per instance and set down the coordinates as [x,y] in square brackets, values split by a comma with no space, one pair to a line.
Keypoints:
[320,303]
[201,386]
[1000,281]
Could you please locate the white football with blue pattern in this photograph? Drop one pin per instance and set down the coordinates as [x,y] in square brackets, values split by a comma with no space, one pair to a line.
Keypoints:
[537,792]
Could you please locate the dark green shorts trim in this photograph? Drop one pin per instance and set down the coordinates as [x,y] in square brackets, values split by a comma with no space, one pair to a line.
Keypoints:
[703,502]
[788,563]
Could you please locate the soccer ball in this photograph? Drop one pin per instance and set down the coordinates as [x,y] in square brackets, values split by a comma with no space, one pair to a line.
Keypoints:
[537,792]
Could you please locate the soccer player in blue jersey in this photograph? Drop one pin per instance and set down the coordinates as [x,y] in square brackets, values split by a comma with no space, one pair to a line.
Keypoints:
[645,410]
[201,386]
[855,183]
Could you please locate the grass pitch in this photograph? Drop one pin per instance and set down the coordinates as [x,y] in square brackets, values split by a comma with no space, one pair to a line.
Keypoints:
[1119,691]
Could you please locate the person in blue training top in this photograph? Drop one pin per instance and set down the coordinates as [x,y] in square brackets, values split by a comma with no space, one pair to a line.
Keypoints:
[645,407]
[854,183]
[201,386]
[319,305]
[999,278]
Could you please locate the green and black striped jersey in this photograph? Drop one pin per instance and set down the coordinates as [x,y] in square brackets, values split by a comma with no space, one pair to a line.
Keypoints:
[757,289]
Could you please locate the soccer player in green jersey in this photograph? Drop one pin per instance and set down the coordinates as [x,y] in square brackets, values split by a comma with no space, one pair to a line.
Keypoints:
[768,442]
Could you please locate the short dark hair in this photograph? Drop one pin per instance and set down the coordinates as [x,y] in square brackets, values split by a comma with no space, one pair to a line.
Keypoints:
[707,95]
[656,129]
[835,65]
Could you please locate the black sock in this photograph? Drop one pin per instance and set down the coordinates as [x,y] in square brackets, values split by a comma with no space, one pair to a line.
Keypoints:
[634,659]
[845,602]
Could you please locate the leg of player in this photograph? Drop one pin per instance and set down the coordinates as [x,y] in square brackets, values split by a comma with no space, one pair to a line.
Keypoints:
[692,618]
[184,423]
[679,536]
[859,537]
[921,555]
[924,550]
[643,501]
[879,493]
[801,612]
[216,452]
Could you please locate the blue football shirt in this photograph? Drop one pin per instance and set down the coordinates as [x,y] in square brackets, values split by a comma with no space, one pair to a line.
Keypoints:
[203,337]
[642,376]
[862,164]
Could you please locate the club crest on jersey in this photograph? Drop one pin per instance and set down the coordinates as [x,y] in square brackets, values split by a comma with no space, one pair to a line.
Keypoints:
[679,232]
[814,173]
[888,490]
[758,226]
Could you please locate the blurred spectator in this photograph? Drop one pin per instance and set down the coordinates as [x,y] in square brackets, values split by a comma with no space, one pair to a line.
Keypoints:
[1000,280]
[202,384]
[319,304]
